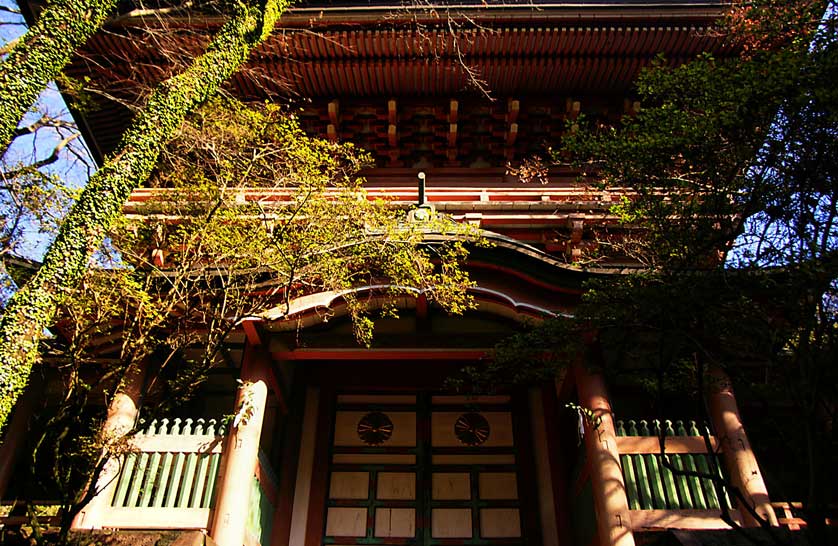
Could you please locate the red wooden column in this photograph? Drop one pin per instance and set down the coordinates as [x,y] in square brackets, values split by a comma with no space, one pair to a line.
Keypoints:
[122,416]
[739,457]
[553,397]
[241,452]
[14,440]
[609,490]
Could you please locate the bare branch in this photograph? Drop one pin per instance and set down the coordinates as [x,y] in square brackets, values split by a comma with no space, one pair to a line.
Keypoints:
[152,12]
[53,157]
[44,121]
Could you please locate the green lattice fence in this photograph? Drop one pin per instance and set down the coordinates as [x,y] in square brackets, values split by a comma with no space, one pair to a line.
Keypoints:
[169,481]
[651,485]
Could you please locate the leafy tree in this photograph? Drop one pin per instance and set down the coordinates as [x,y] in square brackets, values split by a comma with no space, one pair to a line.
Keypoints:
[740,154]
[33,307]
[730,167]
[226,258]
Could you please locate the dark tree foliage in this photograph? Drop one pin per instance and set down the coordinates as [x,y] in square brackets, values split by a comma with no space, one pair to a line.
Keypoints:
[731,169]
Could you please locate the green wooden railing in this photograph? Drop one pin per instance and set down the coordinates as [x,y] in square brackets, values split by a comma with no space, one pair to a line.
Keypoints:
[650,485]
[176,466]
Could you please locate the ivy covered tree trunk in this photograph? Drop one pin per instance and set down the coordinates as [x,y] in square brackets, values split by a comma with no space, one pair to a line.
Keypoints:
[33,307]
[41,54]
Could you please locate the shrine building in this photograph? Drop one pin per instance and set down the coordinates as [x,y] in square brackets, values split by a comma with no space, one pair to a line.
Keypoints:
[363,446]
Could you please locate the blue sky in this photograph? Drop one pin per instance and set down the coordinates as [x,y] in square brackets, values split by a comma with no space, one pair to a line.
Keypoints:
[74,167]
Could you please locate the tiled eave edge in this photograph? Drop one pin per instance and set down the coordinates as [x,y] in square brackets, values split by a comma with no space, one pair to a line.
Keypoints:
[318,16]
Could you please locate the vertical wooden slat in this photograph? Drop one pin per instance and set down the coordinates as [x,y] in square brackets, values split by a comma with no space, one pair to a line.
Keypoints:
[164,426]
[620,429]
[668,481]
[706,483]
[176,486]
[643,472]
[653,475]
[702,464]
[680,480]
[215,460]
[176,462]
[163,484]
[198,488]
[137,482]
[148,485]
[696,491]
[631,481]
[638,474]
[124,480]
[670,496]
[643,486]
[186,481]
[149,481]
[692,482]
[656,482]
[200,476]
[185,486]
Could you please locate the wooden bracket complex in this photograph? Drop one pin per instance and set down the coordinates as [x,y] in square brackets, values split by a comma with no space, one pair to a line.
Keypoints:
[333,127]
[513,107]
[392,132]
[453,108]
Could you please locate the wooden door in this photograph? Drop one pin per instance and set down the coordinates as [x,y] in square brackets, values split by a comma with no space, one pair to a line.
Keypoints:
[422,469]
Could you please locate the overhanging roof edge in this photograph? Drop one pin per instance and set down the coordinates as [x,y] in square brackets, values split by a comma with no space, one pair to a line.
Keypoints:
[424,13]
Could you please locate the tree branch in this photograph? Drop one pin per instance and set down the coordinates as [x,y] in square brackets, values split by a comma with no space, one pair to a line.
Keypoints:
[52,158]
[45,121]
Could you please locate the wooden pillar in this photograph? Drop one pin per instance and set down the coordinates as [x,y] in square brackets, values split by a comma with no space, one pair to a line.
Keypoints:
[293,451]
[241,454]
[553,398]
[609,490]
[544,469]
[14,439]
[738,455]
[316,513]
[122,416]
[305,468]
